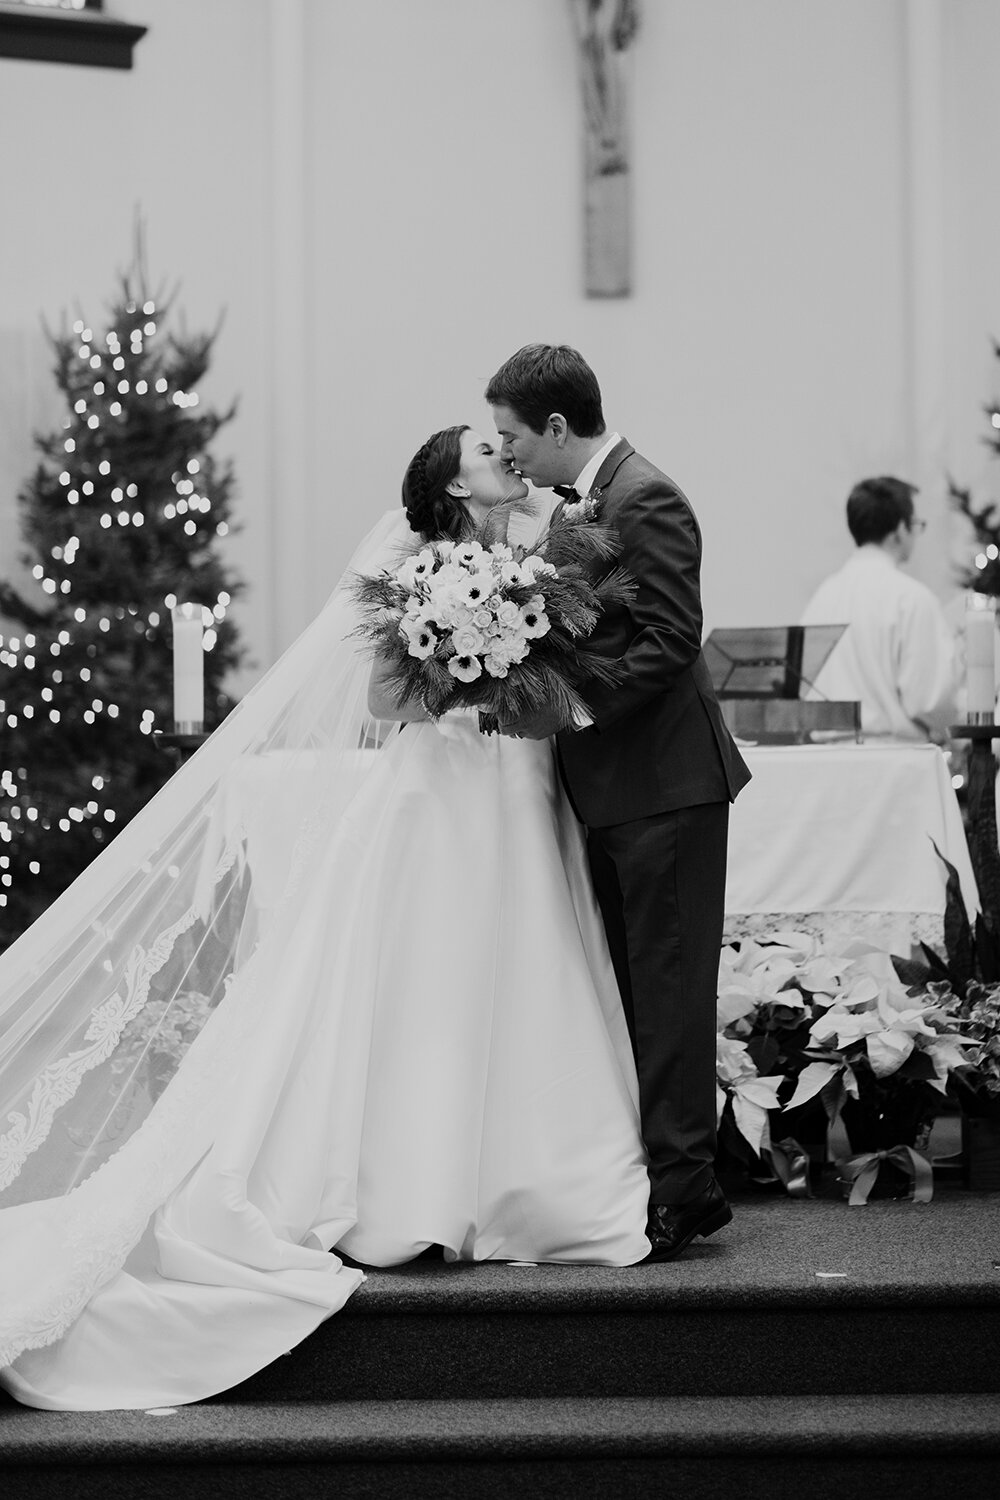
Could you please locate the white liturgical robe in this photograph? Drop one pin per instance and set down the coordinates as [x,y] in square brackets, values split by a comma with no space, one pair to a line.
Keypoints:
[897,656]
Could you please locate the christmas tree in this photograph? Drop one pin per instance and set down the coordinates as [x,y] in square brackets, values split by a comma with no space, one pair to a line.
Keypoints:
[120,521]
[983,575]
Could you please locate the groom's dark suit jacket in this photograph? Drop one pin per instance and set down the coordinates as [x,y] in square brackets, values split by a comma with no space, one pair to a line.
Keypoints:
[659,741]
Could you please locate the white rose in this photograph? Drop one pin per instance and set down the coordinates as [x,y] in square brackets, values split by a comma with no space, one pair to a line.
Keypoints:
[467,641]
[450,606]
[509,613]
[504,652]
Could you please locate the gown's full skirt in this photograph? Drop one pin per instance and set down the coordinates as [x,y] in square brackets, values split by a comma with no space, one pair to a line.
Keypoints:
[438,1056]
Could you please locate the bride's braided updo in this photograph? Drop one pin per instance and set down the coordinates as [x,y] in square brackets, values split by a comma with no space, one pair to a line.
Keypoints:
[430,509]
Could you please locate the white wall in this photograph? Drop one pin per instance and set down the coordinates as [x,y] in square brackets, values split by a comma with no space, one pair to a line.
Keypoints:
[386,198]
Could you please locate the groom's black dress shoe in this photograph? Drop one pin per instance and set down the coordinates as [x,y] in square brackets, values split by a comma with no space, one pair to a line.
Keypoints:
[672,1226]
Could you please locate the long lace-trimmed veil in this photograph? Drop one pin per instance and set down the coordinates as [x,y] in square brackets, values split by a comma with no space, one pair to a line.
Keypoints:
[164,950]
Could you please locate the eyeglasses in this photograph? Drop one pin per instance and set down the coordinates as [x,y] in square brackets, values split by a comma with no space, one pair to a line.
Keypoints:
[916,525]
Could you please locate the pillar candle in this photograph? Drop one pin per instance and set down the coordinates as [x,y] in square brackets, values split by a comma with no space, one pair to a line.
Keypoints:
[980,637]
[189,670]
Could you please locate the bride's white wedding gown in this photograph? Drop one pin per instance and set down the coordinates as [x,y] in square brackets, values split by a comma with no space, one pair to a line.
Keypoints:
[439,1057]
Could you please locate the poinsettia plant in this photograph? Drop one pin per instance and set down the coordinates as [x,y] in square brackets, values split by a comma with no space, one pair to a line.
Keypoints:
[798,1021]
[965,982]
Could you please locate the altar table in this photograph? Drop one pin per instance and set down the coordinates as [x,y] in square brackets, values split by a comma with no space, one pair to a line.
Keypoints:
[837,839]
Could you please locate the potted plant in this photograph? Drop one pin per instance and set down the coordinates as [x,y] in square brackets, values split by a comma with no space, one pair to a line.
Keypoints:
[839,1029]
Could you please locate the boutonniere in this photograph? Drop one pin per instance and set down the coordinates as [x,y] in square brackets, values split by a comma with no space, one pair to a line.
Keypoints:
[584,509]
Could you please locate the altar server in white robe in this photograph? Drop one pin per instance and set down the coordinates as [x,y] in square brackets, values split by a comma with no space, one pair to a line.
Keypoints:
[898,655]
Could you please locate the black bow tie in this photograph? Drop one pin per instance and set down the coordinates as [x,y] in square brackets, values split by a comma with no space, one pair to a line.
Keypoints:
[566,492]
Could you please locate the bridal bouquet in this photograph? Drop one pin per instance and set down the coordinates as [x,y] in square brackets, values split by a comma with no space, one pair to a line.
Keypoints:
[481,624]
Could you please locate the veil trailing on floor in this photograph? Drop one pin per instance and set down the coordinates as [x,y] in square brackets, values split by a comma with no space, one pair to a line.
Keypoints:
[170,948]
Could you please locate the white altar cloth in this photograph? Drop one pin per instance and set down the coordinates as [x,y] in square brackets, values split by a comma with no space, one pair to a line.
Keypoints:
[837,840]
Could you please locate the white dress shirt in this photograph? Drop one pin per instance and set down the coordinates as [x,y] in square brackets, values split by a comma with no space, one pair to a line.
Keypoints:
[585,479]
[897,656]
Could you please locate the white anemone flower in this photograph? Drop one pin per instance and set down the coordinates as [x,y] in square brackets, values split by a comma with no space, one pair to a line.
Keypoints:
[477,589]
[537,567]
[470,555]
[465,668]
[423,643]
[416,569]
[534,622]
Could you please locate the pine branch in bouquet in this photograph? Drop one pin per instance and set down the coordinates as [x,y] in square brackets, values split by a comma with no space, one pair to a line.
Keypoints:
[564,542]
[481,624]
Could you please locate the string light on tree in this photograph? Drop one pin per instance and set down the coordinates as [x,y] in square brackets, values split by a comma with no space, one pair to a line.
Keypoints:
[86,673]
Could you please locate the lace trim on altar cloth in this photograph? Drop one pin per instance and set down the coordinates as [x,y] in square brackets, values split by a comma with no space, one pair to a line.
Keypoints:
[897,931]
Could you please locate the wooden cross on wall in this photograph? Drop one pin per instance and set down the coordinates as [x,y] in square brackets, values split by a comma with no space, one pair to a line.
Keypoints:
[604,31]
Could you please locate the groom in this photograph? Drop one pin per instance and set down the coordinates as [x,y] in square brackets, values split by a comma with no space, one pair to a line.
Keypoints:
[651,780]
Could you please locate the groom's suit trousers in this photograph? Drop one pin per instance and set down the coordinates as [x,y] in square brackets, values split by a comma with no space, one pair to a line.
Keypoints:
[660,882]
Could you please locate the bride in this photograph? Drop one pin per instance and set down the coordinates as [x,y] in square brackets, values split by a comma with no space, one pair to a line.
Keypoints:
[338,994]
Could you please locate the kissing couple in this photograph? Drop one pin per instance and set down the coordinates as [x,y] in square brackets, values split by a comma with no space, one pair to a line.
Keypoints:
[343,993]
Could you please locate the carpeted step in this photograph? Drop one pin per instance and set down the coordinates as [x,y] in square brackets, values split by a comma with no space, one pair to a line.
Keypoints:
[766,1447]
[804,1297]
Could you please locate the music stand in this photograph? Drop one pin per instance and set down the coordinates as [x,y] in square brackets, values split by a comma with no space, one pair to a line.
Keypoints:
[765,676]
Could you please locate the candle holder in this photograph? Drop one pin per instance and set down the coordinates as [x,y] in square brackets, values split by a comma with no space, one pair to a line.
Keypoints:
[180,744]
[981,809]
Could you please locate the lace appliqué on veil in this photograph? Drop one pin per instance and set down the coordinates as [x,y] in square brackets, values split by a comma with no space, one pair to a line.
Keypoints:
[100,1222]
[59,1082]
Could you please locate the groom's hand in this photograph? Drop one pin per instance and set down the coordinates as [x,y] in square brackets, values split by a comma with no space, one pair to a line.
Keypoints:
[537,726]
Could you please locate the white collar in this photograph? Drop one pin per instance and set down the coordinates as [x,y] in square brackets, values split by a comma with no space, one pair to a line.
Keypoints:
[587,475]
[872,552]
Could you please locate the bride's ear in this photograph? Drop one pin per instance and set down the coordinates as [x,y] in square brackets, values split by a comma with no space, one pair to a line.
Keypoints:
[458,489]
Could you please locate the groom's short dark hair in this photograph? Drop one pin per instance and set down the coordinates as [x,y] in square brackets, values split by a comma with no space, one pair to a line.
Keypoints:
[542,378]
